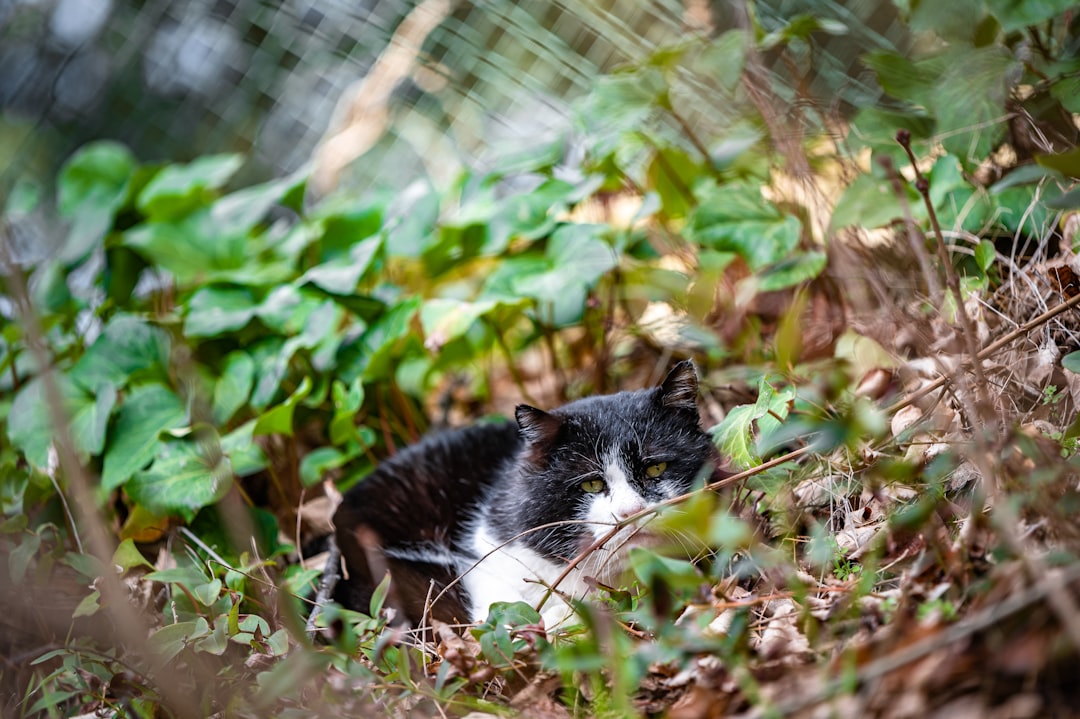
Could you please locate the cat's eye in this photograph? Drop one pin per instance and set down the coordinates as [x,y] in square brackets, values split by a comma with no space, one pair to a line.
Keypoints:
[655,470]
[592,486]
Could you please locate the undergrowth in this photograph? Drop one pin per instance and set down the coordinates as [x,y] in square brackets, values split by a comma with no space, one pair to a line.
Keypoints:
[883,315]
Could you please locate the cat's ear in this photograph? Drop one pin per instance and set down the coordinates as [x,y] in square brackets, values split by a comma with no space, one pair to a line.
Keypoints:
[680,388]
[537,426]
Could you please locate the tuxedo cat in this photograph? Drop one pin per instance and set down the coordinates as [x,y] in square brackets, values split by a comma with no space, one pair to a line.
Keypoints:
[461,504]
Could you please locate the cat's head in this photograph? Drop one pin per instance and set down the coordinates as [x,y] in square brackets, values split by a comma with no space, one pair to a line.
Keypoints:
[602,459]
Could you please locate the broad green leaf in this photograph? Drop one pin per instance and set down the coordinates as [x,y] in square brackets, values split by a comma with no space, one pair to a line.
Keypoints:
[318,462]
[347,401]
[868,202]
[177,189]
[30,426]
[240,211]
[279,420]
[214,311]
[1019,14]
[181,481]
[792,271]
[172,639]
[737,218]
[245,454]
[1067,163]
[444,320]
[375,353]
[672,173]
[985,254]
[968,100]
[341,275]
[734,437]
[92,185]
[128,348]
[955,20]
[233,388]
[723,59]
[147,411]
[127,556]
[344,224]
[1071,362]
[195,250]
[675,573]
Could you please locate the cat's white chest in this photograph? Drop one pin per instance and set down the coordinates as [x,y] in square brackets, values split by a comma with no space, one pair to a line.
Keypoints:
[514,572]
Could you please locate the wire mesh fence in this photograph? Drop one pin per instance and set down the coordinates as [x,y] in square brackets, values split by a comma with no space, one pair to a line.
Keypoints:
[176,78]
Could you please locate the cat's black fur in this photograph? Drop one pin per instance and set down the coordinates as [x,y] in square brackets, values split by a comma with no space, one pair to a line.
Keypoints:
[430,512]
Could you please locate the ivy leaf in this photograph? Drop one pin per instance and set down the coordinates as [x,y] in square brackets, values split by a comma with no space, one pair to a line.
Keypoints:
[340,276]
[318,462]
[1015,15]
[1067,163]
[985,254]
[214,311]
[1071,362]
[147,411]
[30,426]
[195,250]
[792,271]
[127,349]
[444,320]
[91,187]
[181,481]
[233,388]
[279,420]
[968,99]
[177,189]
[867,202]
[737,218]
[245,454]
[734,437]
[240,211]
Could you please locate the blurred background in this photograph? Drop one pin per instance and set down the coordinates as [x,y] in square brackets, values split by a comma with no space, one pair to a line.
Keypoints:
[174,79]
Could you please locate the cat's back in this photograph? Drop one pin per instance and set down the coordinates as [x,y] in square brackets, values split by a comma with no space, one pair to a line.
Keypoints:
[423,491]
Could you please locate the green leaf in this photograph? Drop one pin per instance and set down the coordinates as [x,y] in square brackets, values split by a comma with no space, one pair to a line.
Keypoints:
[245,454]
[91,187]
[1019,14]
[30,426]
[279,420]
[127,556]
[867,202]
[196,250]
[233,388]
[444,320]
[318,462]
[968,100]
[181,481]
[215,310]
[347,401]
[341,275]
[1068,201]
[792,271]
[177,189]
[723,59]
[240,211]
[955,20]
[171,639]
[734,437]
[147,411]
[1067,163]
[127,349]
[1071,362]
[985,254]
[737,218]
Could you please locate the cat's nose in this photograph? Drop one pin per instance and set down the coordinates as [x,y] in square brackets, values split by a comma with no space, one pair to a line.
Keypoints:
[628,509]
